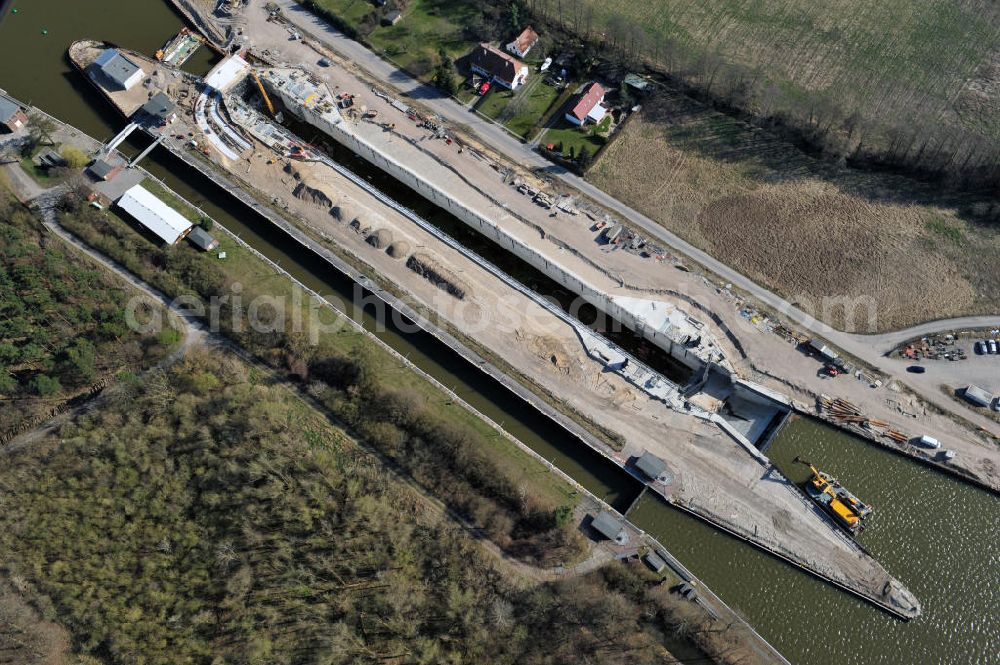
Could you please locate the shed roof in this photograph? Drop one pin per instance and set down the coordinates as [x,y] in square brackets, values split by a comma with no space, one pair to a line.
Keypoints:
[8,107]
[495,62]
[202,239]
[651,465]
[168,224]
[591,96]
[636,81]
[654,561]
[608,525]
[116,66]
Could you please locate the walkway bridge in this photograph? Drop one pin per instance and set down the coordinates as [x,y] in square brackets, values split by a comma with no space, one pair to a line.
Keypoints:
[111,145]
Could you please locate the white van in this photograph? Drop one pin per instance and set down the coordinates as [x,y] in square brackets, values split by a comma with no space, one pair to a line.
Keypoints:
[929,442]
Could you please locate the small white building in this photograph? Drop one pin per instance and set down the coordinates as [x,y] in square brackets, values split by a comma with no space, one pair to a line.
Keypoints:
[163,221]
[119,70]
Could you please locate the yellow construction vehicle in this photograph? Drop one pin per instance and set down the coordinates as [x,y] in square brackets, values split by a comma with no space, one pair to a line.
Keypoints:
[263,93]
[845,508]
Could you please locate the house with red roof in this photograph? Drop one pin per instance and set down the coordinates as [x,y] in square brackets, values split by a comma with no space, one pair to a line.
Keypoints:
[524,42]
[497,66]
[589,105]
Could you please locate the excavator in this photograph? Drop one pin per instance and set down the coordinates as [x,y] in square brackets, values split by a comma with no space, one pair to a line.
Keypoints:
[845,508]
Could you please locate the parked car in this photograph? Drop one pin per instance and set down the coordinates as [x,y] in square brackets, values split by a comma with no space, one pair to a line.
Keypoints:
[980,347]
[993,345]
[916,369]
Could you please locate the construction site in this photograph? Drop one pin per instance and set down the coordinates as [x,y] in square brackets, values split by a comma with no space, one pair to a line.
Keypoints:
[705,431]
[709,426]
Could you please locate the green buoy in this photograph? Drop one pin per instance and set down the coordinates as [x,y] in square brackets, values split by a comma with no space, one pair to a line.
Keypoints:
[45,32]
[13,11]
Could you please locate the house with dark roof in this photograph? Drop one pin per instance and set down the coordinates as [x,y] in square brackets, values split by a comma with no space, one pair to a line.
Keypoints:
[524,42]
[501,68]
[160,109]
[12,116]
[589,105]
[104,170]
[202,239]
[117,69]
[610,527]
[651,465]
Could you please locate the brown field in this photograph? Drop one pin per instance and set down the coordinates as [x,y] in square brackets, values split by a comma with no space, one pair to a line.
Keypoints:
[897,65]
[807,229]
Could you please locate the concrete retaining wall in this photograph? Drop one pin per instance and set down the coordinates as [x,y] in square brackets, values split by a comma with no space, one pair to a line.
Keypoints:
[490,229]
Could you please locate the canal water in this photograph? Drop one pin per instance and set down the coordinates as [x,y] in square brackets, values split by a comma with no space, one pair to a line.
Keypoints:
[937,535]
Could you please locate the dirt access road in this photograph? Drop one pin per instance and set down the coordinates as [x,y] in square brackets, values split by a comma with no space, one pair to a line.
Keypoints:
[869,348]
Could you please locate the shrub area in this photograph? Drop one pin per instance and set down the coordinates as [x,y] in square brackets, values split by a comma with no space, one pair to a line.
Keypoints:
[205,516]
[62,323]
[404,419]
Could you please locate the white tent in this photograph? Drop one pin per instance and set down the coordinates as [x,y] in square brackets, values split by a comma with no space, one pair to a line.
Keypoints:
[168,224]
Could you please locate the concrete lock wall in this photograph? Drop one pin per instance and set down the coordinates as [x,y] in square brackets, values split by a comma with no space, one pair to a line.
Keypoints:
[495,233]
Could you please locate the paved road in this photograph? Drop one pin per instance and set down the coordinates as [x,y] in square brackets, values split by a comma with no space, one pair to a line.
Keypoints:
[869,348]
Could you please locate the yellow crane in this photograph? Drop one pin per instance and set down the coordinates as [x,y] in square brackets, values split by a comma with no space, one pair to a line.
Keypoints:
[263,92]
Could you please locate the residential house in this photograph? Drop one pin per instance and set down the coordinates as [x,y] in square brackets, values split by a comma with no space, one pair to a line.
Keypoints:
[118,70]
[12,116]
[524,42]
[499,67]
[589,106]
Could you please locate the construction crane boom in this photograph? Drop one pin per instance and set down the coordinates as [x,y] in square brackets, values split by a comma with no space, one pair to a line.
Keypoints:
[263,92]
